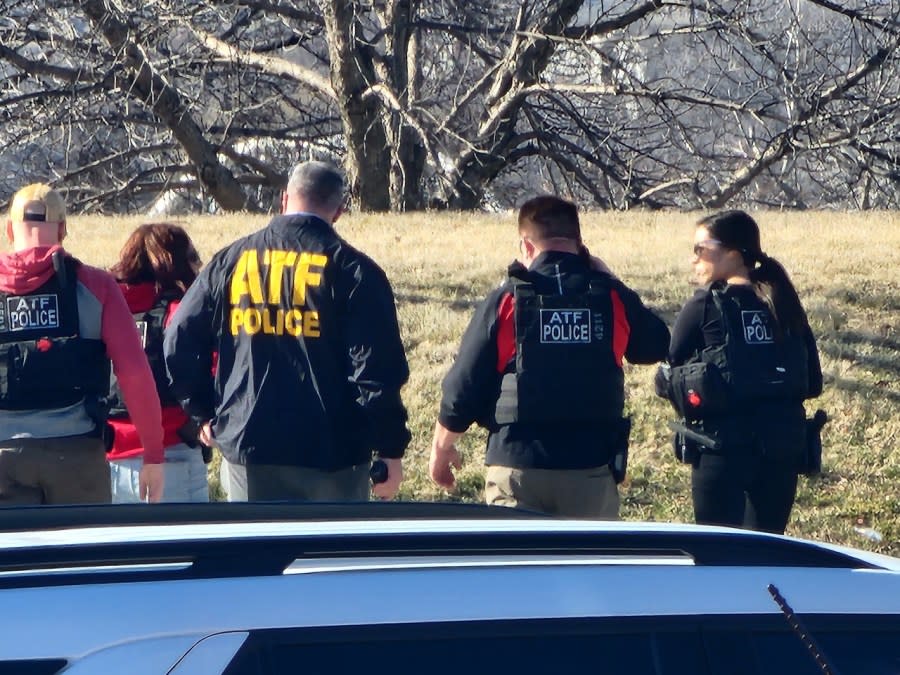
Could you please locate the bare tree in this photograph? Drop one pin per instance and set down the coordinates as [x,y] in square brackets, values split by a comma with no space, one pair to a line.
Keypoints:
[454,104]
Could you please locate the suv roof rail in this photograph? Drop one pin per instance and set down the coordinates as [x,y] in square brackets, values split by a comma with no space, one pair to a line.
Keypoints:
[220,551]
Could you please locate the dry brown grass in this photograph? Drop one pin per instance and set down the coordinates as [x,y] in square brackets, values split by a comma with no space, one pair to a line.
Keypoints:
[845,265]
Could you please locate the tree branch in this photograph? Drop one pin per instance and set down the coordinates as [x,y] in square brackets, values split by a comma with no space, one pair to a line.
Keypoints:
[270,64]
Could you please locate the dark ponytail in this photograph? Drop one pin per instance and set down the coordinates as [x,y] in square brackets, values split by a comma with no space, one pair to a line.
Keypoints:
[773,285]
[736,230]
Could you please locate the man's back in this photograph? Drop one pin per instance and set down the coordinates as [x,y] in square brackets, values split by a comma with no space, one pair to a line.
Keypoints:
[302,323]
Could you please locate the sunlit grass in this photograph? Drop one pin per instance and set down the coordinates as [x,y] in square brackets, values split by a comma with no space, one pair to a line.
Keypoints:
[846,267]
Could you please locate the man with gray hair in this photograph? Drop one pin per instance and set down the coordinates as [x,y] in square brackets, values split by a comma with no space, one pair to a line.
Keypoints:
[310,361]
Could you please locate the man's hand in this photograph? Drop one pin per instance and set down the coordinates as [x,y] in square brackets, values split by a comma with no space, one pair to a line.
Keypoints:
[206,435]
[388,489]
[151,481]
[444,457]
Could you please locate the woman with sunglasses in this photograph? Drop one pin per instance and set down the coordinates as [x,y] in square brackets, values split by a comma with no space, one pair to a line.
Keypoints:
[742,360]
[156,266]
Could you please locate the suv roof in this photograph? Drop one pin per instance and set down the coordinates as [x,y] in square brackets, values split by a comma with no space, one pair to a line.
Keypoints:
[261,539]
[119,576]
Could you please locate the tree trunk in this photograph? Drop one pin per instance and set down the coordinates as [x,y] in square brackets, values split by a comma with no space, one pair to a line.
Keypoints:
[147,85]
[368,160]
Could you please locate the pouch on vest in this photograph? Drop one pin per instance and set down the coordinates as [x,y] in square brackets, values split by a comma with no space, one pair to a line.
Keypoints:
[53,373]
[565,368]
[699,389]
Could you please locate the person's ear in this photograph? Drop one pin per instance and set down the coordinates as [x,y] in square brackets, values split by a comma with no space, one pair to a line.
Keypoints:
[528,248]
[9,231]
[284,202]
[337,214]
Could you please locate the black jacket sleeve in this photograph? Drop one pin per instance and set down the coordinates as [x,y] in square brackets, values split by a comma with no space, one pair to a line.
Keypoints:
[188,349]
[649,336]
[814,366]
[471,387]
[378,366]
[687,333]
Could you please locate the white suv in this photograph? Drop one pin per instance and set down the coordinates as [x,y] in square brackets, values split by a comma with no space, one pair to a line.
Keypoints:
[271,589]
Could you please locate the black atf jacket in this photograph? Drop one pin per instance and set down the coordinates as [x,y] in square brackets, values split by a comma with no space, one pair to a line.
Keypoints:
[310,361]
[472,386]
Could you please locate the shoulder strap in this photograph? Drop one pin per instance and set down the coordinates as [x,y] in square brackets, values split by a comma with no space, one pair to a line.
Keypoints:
[59,267]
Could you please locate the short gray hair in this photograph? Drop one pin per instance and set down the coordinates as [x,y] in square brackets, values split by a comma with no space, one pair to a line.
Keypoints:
[319,184]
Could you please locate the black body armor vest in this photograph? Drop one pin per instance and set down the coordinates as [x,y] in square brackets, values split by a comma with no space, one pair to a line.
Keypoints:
[565,368]
[754,364]
[44,363]
[150,325]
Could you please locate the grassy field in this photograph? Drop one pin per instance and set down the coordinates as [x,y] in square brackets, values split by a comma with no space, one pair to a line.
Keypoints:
[846,268]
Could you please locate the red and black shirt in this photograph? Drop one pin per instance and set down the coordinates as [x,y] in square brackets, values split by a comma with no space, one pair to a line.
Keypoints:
[472,387]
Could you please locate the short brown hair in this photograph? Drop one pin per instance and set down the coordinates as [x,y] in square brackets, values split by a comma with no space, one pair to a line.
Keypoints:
[549,217]
[158,253]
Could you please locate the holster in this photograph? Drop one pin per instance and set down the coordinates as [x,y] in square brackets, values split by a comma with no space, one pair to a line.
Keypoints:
[811,464]
[107,434]
[189,433]
[618,465]
[689,441]
[686,451]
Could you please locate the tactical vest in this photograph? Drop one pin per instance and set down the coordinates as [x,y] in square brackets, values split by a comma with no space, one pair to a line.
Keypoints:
[44,363]
[565,369]
[754,363]
[150,325]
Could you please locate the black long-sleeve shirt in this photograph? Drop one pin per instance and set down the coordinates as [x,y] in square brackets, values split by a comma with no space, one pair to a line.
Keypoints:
[472,386]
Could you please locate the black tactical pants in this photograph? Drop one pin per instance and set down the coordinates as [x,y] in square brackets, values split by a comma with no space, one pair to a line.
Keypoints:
[740,488]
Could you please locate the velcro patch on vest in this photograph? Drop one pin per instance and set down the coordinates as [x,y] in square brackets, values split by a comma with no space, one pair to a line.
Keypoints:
[565,326]
[756,328]
[142,331]
[29,312]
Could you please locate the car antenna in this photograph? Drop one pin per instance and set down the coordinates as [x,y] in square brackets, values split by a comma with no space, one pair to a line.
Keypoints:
[801,631]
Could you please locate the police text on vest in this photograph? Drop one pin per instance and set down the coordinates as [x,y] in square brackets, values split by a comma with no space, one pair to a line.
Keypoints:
[566,326]
[756,328]
[31,312]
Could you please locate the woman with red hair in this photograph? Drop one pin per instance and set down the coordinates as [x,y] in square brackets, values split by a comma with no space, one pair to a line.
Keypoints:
[156,266]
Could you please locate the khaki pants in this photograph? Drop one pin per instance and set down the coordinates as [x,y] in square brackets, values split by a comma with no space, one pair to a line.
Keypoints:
[70,470]
[574,493]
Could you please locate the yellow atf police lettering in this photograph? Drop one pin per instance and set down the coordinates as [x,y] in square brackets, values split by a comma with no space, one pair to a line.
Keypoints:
[245,279]
[272,321]
[293,323]
[304,276]
[277,261]
[254,311]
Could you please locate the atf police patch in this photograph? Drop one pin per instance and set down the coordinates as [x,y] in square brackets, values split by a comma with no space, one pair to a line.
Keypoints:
[30,312]
[566,326]
[756,328]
